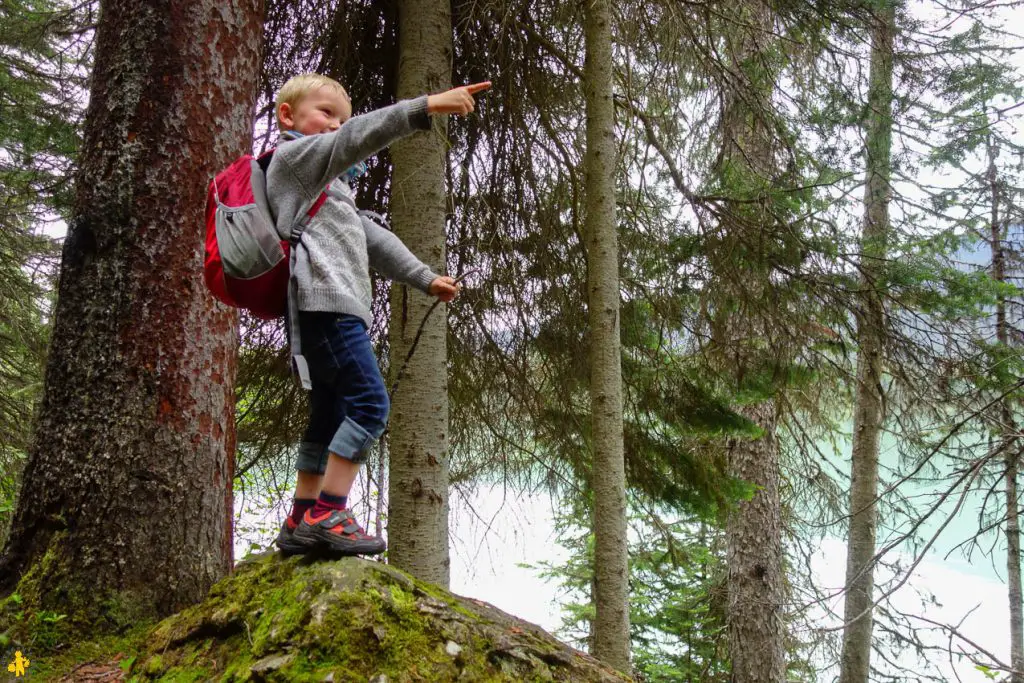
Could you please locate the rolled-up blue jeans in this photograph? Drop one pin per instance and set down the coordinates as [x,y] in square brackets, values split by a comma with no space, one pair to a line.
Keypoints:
[348,404]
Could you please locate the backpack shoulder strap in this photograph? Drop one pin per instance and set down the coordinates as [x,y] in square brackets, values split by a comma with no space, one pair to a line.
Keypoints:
[264,159]
[303,221]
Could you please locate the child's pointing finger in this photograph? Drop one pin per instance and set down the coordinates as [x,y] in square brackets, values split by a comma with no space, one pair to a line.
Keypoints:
[478,87]
[455,101]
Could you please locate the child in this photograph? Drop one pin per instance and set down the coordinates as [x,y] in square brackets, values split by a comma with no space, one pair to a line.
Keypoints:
[348,400]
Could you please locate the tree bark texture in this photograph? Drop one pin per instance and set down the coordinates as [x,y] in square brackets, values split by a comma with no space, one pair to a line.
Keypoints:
[756,579]
[1009,441]
[126,496]
[869,401]
[754,557]
[611,571]
[418,490]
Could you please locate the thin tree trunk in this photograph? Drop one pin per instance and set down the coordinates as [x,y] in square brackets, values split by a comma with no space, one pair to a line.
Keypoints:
[378,508]
[611,571]
[418,480]
[1013,566]
[1009,441]
[754,557]
[756,580]
[125,506]
[869,402]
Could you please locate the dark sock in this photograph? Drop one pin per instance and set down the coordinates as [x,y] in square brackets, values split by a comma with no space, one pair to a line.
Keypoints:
[299,507]
[326,503]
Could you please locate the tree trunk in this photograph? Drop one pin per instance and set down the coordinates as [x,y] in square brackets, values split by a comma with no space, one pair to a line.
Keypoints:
[418,489]
[125,506]
[611,572]
[869,402]
[1009,442]
[754,557]
[756,581]
[1013,566]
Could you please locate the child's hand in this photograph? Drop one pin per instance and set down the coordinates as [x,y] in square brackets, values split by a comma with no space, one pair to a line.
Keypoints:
[445,288]
[456,100]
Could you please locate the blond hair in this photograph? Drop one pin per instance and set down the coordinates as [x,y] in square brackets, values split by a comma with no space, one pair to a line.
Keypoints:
[299,86]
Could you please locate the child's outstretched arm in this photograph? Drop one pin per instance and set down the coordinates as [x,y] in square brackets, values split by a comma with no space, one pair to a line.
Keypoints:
[315,160]
[390,257]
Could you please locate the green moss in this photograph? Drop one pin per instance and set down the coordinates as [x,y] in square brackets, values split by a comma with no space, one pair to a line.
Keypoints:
[188,675]
[45,614]
[301,620]
[344,616]
[122,611]
[28,619]
[47,666]
[153,666]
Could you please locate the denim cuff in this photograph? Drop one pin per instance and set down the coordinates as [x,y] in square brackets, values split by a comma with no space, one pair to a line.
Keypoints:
[312,458]
[351,441]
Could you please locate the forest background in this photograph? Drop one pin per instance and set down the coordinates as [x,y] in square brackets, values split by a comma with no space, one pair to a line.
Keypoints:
[817,273]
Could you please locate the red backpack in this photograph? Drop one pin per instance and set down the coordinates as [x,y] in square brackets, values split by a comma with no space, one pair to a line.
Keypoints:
[247,264]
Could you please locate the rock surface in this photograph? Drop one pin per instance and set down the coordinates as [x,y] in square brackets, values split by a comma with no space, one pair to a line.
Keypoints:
[300,619]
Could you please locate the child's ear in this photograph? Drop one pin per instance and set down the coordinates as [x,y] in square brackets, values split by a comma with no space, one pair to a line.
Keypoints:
[284,114]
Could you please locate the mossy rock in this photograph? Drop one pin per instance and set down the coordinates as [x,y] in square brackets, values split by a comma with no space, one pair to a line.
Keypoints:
[352,620]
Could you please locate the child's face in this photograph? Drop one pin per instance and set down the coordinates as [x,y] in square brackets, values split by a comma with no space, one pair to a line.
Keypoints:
[321,111]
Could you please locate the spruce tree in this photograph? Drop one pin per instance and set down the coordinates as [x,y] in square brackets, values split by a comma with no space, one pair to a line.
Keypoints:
[869,399]
[124,508]
[608,475]
[418,431]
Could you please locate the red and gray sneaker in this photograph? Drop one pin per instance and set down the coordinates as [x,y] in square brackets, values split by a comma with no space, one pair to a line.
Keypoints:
[286,541]
[337,532]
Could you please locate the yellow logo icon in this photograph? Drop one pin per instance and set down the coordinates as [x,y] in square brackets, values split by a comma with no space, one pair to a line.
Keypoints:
[18,666]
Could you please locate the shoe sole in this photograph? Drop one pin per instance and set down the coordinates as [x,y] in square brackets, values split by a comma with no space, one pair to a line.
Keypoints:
[289,548]
[288,545]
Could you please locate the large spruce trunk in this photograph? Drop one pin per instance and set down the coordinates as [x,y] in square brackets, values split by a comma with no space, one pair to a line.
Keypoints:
[418,477]
[756,580]
[611,572]
[869,402]
[125,504]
